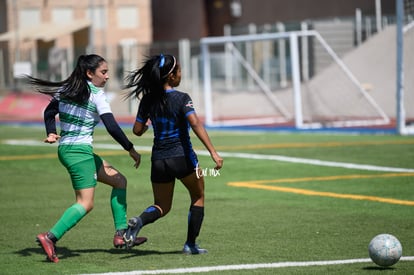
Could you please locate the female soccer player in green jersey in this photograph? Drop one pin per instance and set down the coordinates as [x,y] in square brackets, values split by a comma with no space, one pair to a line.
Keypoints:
[81,103]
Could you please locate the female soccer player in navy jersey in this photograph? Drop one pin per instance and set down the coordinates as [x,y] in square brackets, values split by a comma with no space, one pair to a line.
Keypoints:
[171,113]
[81,103]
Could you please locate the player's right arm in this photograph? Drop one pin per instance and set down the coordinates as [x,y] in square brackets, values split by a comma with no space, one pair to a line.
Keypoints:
[49,116]
[141,120]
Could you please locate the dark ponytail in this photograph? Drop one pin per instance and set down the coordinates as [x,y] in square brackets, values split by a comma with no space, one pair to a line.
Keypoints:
[149,81]
[151,77]
[75,88]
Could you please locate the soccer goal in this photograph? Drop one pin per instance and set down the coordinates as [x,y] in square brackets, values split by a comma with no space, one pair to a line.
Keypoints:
[268,79]
[405,86]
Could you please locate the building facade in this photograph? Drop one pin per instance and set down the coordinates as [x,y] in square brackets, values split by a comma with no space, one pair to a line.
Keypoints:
[38,30]
[175,19]
[49,33]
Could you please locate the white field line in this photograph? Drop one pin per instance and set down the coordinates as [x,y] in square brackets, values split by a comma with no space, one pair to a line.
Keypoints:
[204,269]
[312,162]
[245,156]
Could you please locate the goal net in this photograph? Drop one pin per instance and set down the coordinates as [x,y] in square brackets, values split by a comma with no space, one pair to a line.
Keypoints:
[274,79]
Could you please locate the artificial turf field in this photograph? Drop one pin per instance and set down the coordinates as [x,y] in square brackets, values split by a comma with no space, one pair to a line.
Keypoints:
[303,203]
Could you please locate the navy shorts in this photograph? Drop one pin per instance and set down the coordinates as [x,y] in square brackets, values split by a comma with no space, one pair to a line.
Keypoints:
[167,170]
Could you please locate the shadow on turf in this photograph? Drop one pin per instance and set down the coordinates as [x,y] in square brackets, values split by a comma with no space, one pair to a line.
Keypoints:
[64,253]
[378,268]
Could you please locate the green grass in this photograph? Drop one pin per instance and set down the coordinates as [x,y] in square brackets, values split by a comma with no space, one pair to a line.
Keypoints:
[242,225]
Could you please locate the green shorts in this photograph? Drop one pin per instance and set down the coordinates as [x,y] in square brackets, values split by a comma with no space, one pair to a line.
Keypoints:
[82,164]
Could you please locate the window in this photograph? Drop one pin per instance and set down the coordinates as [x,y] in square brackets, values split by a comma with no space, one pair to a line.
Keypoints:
[62,15]
[29,17]
[127,17]
[97,15]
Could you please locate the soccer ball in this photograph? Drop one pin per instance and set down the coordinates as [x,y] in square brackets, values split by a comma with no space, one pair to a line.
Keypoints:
[385,250]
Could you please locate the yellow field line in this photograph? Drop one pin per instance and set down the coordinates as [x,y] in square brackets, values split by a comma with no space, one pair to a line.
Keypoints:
[329,178]
[51,156]
[262,185]
[29,157]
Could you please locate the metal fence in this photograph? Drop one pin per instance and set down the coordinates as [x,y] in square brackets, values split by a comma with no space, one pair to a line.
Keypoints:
[58,63]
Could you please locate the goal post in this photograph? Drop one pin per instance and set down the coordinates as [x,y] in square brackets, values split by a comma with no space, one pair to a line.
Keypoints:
[228,41]
[302,103]
[404,14]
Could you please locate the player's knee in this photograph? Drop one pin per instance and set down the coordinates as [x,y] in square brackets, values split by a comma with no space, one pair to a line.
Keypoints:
[199,195]
[121,181]
[88,206]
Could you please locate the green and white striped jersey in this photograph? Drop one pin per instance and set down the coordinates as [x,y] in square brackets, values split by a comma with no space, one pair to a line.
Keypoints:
[78,121]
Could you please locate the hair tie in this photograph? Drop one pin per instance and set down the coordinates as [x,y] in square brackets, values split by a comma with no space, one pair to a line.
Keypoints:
[162,61]
[172,68]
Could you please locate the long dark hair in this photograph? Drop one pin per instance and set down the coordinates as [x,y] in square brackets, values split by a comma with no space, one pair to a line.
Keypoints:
[149,81]
[151,77]
[75,87]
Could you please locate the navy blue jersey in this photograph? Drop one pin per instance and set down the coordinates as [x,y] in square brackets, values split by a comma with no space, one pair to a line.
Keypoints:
[171,128]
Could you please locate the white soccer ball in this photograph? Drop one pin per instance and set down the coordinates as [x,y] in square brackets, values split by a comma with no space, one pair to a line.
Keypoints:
[385,250]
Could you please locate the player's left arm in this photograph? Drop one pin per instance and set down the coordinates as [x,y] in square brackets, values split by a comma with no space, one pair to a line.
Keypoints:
[118,134]
[115,131]
[187,108]
[201,133]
